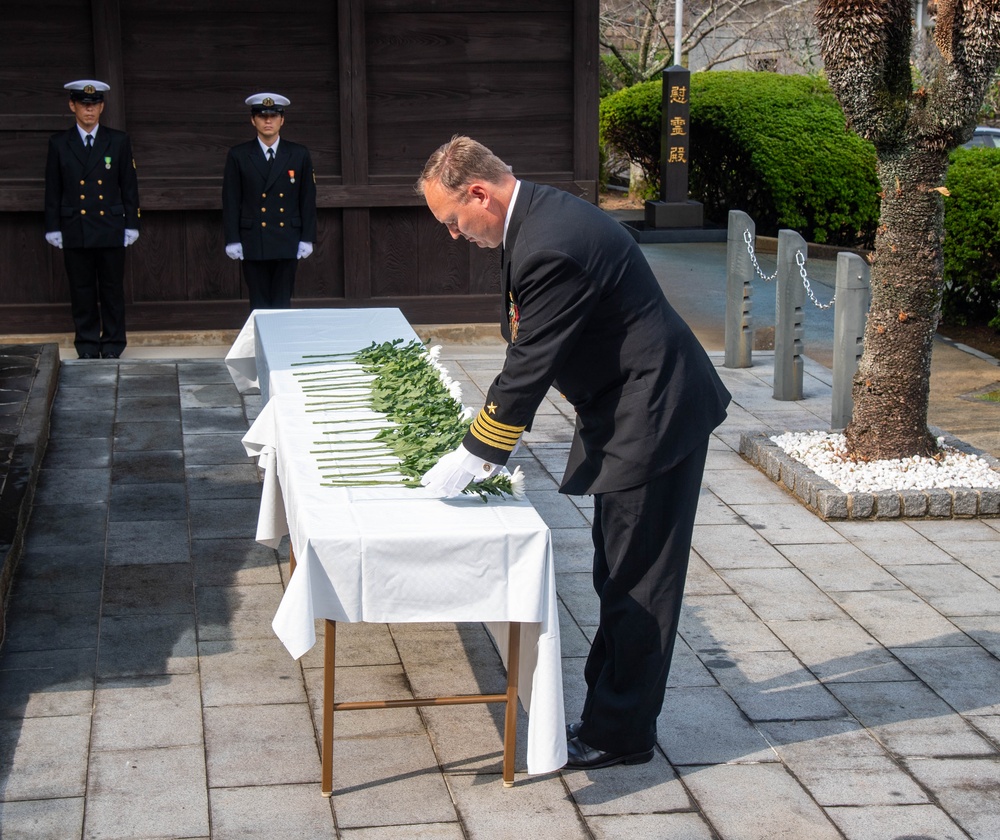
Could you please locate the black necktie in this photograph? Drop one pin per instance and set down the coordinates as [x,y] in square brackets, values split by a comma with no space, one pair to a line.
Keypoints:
[90,142]
[270,156]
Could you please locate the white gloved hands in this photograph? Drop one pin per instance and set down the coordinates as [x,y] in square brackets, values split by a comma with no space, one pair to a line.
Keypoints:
[131,234]
[453,473]
[234,251]
[54,238]
[305,249]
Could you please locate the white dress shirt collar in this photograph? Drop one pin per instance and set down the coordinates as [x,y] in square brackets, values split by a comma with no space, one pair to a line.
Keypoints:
[510,209]
[83,134]
[264,147]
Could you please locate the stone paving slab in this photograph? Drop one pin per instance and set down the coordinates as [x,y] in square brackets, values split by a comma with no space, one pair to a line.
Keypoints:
[838,675]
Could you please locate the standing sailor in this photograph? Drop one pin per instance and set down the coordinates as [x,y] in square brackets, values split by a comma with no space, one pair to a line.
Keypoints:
[269,205]
[92,213]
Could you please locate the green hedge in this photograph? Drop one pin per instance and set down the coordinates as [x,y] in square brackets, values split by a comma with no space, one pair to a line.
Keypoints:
[773,146]
[972,240]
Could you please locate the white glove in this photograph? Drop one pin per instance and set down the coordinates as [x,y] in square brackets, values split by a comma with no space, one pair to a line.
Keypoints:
[453,473]
[305,249]
[54,238]
[234,251]
[131,234]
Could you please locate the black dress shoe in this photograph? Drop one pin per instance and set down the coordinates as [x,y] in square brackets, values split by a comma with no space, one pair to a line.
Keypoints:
[583,757]
[111,355]
[573,729]
[88,356]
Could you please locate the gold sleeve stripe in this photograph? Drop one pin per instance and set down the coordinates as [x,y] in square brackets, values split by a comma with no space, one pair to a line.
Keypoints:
[495,434]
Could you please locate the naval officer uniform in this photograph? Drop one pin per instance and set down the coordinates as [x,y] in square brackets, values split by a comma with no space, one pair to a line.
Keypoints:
[269,205]
[92,214]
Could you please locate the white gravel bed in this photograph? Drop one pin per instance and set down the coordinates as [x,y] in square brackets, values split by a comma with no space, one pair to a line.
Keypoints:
[825,453]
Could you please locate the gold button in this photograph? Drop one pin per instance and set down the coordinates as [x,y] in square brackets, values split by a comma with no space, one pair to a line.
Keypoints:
[82,197]
[263,195]
[281,195]
[281,224]
[83,212]
[263,224]
[263,209]
[100,182]
[281,209]
[101,197]
[102,212]
[82,183]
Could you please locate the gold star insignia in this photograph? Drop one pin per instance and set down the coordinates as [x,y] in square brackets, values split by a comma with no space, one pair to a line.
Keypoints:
[492,408]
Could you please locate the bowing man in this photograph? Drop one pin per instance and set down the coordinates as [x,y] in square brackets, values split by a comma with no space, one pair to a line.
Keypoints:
[584,313]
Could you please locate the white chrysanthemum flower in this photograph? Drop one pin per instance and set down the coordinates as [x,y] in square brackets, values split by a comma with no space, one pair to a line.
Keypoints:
[517,483]
[455,389]
[434,353]
[467,414]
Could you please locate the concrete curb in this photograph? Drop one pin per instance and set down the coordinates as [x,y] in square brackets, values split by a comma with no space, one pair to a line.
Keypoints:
[28,437]
[829,502]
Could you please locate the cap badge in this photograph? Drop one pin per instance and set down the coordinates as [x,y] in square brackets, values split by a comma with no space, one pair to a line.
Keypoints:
[267,102]
[89,89]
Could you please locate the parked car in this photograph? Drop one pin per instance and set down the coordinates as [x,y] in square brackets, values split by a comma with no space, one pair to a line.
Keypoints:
[984,135]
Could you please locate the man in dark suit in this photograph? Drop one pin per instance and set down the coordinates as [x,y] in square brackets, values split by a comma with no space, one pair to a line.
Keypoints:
[92,213]
[269,205]
[583,312]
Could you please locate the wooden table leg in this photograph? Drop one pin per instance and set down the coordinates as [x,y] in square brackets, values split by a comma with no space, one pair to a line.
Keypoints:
[329,668]
[510,718]
[509,699]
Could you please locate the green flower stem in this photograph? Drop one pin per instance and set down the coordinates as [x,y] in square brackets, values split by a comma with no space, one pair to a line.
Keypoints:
[340,379]
[362,472]
[368,458]
[337,403]
[400,483]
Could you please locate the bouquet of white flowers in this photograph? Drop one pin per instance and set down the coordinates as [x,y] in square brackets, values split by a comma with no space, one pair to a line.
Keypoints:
[416,417]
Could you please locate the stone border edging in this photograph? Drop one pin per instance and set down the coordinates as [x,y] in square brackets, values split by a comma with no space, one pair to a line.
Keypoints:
[829,502]
[27,452]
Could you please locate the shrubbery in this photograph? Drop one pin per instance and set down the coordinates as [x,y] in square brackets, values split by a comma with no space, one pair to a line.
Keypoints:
[972,238]
[771,145]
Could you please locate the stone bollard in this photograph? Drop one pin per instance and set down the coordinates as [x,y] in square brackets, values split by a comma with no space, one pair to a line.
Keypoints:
[849,316]
[790,297]
[739,272]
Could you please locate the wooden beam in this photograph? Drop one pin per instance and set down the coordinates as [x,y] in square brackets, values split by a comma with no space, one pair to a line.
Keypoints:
[27,194]
[108,64]
[354,145]
[586,92]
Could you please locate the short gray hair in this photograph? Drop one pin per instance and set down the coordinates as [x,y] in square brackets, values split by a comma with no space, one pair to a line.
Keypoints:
[459,162]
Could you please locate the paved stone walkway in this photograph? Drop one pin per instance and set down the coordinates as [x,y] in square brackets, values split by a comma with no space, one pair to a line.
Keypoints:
[831,680]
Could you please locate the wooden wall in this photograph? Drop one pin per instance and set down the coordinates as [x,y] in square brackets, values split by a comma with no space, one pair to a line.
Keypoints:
[375,85]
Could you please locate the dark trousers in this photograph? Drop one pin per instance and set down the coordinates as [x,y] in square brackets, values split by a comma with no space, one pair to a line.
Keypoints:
[97,298]
[270,283]
[642,538]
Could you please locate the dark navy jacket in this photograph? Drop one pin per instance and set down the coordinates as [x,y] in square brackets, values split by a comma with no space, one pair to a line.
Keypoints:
[583,312]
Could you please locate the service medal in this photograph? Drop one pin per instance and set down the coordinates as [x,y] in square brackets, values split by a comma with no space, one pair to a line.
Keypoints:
[514,318]
[107,163]
[291,175]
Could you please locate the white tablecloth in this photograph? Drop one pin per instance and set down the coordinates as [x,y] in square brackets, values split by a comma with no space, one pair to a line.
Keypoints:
[273,339]
[394,554]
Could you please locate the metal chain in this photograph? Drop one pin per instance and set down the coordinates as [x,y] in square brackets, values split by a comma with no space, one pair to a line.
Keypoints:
[753,258]
[800,260]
